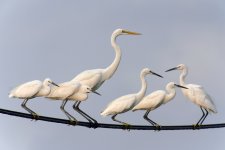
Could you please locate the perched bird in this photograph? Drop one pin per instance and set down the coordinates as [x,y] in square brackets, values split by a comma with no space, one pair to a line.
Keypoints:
[71,91]
[96,77]
[196,94]
[156,99]
[31,90]
[127,102]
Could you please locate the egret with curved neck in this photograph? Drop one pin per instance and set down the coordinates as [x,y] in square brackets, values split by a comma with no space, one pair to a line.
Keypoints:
[155,100]
[127,102]
[96,77]
[196,94]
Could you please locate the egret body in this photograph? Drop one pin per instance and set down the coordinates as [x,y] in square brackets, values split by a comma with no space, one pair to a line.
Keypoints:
[96,77]
[127,102]
[31,90]
[196,94]
[156,99]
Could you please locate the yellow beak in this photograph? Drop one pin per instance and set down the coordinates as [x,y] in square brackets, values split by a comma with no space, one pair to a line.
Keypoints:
[130,32]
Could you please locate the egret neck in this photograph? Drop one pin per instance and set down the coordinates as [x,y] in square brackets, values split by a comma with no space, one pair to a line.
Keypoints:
[110,70]
[142,92]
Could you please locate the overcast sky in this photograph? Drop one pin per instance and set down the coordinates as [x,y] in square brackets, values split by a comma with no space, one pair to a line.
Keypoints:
[59,39]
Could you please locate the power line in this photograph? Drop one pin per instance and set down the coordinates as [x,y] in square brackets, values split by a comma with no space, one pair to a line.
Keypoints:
[109,126]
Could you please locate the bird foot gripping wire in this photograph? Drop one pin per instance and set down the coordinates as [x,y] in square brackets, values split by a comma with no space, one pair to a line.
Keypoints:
[196,126]
[73,122]
[126,126]
[93,124]
[157,127]
[34,116]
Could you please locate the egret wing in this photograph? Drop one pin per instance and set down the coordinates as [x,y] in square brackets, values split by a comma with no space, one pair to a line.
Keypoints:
[90,77]
[120,105]
[64,90]
[27,90]
[151,101]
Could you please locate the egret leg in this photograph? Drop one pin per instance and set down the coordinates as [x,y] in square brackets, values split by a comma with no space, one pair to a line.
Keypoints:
[150,121]
[86,116]
[204,117]
[75,108]
[72,120]
[35,116]
[197,124]
[127,126]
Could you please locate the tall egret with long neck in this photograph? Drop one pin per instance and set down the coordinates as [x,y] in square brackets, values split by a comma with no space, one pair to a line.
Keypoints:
[96,77]
[156,99]
[196,94]
[31,90]
[127,102]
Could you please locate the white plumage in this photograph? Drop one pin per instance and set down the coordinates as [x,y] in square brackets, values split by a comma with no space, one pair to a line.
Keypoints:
[96,77]
[31,90]
[156,99]
[196,94]
[70,91]
[127,102]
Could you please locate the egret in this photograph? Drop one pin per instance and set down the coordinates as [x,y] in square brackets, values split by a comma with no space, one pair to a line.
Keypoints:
[71,91]
[127,102]
[31,90]
[196,94]
[96,77]
[156,99]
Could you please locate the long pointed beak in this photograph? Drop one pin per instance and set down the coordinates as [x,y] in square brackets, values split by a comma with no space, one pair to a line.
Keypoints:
[130,32]
[53,83]
[177,85]
[175,68]
[96,93]
[156,74]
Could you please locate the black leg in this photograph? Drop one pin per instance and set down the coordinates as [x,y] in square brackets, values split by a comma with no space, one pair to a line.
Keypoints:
[75,108]
[204,117]
[126,125]
[70,117]
[93,121]
[203,114]
[114,119]
[35,116]
[149,120]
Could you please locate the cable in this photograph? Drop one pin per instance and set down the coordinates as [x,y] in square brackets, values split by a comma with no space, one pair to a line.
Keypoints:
[110,126]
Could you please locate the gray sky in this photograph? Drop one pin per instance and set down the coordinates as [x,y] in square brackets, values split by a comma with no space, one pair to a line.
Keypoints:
[59,39]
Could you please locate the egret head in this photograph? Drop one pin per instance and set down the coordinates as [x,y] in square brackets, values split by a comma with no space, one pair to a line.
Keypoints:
[146,71]
[87,89]
[118,32]
[49,81]
[179,67]
[172,85]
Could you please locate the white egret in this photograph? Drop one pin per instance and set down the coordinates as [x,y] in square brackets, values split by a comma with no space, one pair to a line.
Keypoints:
[70,91]
[127,102]
[156,99]
[31,90]
[96,77]
[196,94]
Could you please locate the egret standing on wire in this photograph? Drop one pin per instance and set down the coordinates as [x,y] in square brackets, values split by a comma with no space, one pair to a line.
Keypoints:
[156,99]
[96,77]
[196,94]
[70,91]
[31,90]
[127,102]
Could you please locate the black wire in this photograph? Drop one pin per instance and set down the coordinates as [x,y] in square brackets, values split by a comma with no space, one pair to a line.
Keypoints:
[110,126]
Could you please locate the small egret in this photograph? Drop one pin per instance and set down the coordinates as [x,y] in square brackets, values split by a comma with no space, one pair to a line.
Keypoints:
[70,91]
[31,90]
[196,94]
[127,102]
[96,77]
[156,99]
